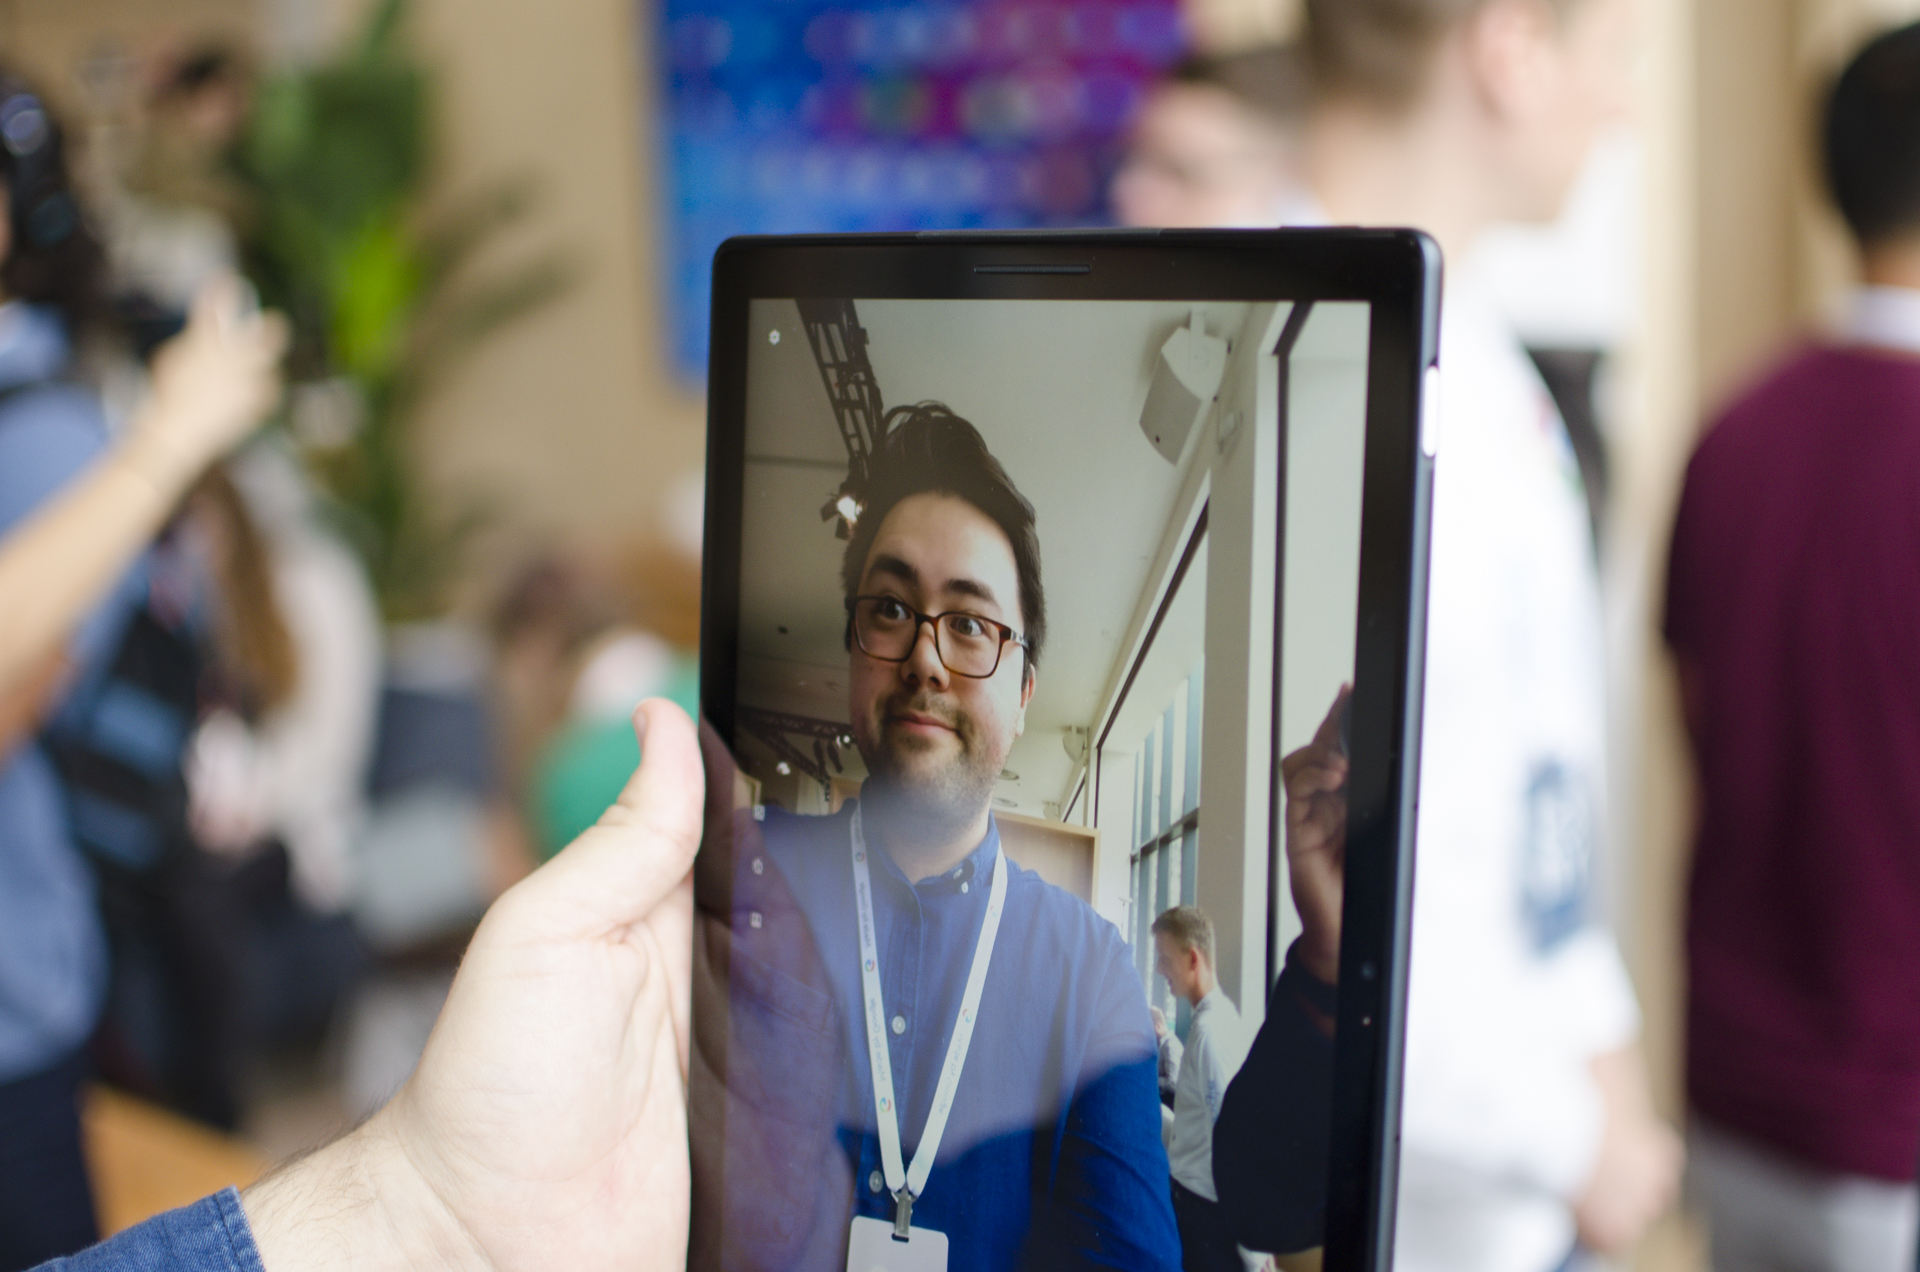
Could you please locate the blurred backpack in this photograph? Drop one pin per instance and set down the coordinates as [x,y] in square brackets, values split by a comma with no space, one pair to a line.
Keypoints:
[118,741]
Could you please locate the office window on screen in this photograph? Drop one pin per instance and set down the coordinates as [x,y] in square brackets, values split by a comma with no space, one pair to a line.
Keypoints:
[1166,828]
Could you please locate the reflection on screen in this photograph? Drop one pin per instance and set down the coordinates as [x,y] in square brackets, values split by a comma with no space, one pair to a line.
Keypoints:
[1031,902]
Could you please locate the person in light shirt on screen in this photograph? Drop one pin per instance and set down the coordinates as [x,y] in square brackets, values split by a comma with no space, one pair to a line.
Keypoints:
[1215,1047]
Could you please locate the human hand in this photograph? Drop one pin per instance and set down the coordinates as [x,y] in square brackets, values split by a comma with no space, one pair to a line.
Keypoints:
[1315,779]
[228,802]
[1159,1021]
[211,385]
[546,1123]
[1637,1174]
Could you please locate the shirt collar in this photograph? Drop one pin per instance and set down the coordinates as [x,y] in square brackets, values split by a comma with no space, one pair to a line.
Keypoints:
[1883,317]
[974,865]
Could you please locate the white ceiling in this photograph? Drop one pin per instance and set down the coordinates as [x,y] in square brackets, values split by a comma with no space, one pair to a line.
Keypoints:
[1055,388]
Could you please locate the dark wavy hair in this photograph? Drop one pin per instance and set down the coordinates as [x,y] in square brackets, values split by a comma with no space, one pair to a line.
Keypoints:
[52,255]
[930,450]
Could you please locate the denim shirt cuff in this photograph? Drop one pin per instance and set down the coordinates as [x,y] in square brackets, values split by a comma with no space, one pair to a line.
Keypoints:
[211,1235]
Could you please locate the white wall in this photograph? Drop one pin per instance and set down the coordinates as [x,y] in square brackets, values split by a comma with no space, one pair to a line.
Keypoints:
[1327,423]
[1241,525]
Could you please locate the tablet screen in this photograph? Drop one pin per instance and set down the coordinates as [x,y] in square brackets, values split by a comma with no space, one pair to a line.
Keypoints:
[1029,918]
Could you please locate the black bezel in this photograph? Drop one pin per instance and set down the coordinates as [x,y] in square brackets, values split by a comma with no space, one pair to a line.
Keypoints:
[1398,273]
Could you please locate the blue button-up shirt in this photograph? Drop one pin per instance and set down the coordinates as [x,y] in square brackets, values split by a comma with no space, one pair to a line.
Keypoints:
[1052,1156]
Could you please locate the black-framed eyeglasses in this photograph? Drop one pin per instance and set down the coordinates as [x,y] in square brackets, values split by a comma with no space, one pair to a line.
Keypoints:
[886,627]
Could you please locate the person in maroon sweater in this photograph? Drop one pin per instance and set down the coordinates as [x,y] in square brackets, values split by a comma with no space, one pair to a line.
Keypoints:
[1793,612]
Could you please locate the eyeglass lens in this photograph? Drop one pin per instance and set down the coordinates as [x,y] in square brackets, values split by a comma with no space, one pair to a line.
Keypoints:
[967,644]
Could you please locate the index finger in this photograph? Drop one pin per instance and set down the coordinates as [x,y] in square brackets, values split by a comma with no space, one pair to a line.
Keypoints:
[1329,734]
[1314,779]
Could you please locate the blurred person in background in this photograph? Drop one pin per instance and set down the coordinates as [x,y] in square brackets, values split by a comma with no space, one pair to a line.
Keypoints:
[547,609]
[1214,145]
[1793,613]
[75,513]
[571,667]
[1527,1134]
[242,921]
[281,753]
[169,205]
[1216,1046]
[224,867]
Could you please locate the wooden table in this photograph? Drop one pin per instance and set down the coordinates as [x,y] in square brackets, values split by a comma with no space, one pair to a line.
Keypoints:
[144,1159]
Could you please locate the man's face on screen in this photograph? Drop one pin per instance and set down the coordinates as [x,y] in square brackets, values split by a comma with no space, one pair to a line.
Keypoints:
[937,739]
[1176,964]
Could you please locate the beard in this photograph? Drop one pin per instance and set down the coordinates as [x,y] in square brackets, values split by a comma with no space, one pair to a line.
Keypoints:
[927,788]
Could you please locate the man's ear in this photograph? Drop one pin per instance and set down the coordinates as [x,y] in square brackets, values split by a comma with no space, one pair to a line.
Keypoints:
[1507,47]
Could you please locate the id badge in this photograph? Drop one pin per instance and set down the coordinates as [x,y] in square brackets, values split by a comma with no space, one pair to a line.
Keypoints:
[871,1248]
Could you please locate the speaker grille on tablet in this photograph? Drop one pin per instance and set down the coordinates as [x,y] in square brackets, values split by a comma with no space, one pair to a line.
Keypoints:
[1033,269]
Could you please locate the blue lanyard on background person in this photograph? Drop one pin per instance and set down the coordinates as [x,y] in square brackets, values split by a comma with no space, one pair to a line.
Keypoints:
[907,1183]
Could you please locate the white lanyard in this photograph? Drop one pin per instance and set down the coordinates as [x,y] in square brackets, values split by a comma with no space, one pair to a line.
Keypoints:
[906,1184]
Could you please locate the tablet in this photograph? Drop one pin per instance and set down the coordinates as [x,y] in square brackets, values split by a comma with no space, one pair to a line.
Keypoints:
[1060,671]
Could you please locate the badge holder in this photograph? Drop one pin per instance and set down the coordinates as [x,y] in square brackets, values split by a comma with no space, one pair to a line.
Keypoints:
[873,1247]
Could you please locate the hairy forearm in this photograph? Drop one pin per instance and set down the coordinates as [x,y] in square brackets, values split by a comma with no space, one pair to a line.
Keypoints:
[357,1203]
[59,563]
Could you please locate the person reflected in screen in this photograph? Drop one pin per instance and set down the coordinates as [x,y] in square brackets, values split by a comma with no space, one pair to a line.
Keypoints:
[1274,1123]
[859,944]
[1215,1046]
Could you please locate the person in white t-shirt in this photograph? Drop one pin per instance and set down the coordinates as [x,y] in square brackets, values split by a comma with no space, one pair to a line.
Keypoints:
[1215,1047]
[1527,1133]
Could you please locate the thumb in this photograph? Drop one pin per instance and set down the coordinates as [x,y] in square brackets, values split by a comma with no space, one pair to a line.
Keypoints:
[642,847]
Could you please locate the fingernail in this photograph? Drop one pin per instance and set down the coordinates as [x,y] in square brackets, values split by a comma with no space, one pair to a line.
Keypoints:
[640,724]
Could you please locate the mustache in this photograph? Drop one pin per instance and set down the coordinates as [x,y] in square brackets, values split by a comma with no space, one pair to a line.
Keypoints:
[925,705]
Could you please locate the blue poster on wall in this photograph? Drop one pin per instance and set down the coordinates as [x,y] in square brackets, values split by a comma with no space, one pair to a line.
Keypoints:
[790,116]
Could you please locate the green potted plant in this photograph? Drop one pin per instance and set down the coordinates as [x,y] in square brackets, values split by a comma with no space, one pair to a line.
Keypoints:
[383,296]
